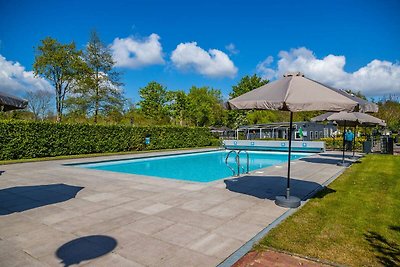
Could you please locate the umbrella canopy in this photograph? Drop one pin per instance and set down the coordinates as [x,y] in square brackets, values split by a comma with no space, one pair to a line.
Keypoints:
[295,93]
[363,105]
[344,119]
[9,102]
[351,118]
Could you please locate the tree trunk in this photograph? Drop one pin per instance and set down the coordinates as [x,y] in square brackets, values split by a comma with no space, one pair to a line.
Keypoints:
[58,104]
[96,105]
[96,110]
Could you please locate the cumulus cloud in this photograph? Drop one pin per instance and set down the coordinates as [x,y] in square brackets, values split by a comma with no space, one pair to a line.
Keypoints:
[14,79]
[232,49]
[264,68]
[377,78]
[135,53]
[212,63]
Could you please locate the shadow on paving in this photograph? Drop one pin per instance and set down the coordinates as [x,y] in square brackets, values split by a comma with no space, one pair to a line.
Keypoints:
[268,187]
[85,248]
[326,160]
[387,252]
[22,198]
[348,154]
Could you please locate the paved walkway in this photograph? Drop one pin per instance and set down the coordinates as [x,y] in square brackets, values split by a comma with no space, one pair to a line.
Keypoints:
[54,215]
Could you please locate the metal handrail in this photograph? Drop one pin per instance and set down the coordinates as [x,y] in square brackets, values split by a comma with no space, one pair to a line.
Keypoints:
[248,159]
[226,162]
[237,158]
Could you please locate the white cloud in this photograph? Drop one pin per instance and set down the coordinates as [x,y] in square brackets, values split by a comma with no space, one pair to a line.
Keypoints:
[14,79]
[377,78]
[213,63]
[232,49]
[264,69]
[134,52]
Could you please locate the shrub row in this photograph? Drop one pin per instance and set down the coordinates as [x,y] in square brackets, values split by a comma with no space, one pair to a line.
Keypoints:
[337,143]
[27,139]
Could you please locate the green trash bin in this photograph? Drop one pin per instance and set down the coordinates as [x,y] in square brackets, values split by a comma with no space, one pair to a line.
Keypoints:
[367,147]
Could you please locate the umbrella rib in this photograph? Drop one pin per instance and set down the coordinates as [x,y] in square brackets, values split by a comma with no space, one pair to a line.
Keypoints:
[284,104]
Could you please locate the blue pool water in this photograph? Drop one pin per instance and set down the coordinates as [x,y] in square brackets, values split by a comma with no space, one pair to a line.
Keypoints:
[197,167]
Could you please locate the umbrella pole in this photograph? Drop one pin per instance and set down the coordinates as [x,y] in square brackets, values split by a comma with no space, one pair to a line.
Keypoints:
[344,145]
[354,141]
[289,155]
[288,201]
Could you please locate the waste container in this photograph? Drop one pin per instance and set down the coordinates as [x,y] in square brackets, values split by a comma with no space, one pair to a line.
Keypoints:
[387,145]
[367,147]
[390,145]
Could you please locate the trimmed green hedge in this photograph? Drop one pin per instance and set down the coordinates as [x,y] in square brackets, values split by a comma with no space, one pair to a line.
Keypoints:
[28,139]
[337,143]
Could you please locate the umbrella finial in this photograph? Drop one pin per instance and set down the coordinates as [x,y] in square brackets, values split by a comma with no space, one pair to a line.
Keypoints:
[296,73]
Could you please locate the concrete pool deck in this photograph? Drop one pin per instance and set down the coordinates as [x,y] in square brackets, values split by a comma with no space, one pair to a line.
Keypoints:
[54,215]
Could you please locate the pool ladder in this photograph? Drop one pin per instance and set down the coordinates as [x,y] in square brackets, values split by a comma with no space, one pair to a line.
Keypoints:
[237,158]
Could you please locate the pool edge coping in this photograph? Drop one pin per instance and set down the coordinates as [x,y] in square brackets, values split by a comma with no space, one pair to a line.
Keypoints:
[173,153]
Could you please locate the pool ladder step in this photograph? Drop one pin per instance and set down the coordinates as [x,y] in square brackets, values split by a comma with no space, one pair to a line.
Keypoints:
[237,159]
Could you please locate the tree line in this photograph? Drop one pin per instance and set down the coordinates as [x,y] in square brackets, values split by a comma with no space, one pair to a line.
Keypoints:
[88,89]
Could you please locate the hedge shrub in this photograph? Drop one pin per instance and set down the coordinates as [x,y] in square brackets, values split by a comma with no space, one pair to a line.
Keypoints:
[28,139]
[337,143]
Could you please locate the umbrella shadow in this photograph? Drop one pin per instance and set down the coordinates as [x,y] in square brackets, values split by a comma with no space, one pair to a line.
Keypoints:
[339,156]
[22,198]
[326,160]
[85,248]
[268,187]
[386,251]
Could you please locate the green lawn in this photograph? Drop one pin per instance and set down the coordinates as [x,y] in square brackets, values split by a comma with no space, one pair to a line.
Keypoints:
[355,221]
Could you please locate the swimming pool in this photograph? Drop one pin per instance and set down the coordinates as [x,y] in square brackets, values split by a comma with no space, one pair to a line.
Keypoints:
[196,167]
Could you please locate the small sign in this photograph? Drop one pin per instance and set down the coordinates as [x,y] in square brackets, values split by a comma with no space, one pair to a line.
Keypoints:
[147,140]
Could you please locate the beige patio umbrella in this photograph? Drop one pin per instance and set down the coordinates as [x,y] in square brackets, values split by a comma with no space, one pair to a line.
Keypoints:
[294,93]
[364,105]
[344,119]
[9,102]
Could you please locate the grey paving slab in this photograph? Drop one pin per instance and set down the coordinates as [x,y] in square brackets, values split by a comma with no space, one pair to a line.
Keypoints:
[186,257]
[107,224]
[215,245]
[149,225]
[149,251]
[125,235]
[154,209]
[154,221]
[238,230]
[180,234]
[72,225]
[196,219]
[113,259]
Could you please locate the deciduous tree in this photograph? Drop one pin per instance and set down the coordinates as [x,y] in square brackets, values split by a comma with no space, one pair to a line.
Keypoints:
[237,118]
[246,84]
[99,90]
[178,107]
[205,107]
[62,65]
[154,102]
[39,103]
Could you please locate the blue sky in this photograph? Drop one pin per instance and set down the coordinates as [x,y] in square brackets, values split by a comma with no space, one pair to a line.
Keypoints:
[348,44]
